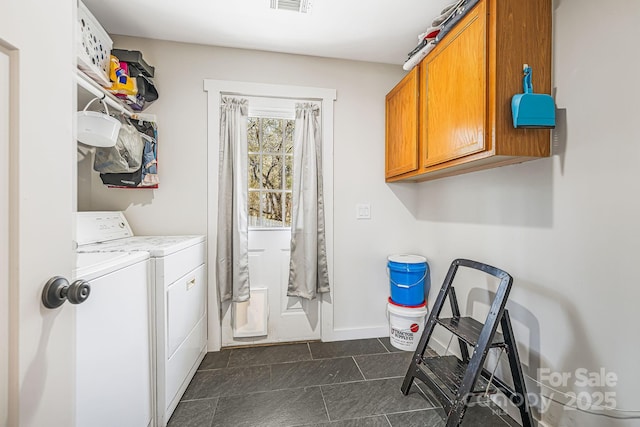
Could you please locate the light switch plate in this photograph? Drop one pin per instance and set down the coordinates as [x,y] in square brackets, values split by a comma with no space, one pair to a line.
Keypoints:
[363,211]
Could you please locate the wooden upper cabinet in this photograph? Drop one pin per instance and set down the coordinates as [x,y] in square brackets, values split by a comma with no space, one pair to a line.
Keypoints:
[402,127]
[465,86]
[456,92]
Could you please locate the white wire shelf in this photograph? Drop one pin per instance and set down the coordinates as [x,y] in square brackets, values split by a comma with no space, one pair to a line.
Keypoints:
[88,84]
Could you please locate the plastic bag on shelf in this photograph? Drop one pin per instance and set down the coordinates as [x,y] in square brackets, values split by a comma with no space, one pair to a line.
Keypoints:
[125,156]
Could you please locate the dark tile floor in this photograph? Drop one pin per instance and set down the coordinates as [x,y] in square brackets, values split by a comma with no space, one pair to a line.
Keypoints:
[340,384]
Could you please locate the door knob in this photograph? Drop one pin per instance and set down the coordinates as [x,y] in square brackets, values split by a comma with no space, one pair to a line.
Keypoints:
[57,290]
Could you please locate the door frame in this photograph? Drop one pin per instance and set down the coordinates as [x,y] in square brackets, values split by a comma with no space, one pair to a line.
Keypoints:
[7,292]
[215,90]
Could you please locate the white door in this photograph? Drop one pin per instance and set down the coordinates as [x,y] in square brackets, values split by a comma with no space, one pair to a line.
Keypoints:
[276,318]
[287,318]
[291,318]
[41,199]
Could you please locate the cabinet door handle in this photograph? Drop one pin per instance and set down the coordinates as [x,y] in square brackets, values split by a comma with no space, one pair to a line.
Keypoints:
[191,283]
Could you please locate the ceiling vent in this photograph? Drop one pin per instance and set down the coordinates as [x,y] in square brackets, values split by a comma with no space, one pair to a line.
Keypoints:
[302,6]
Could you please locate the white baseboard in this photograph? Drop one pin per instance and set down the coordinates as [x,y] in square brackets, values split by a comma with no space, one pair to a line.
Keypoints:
[344,334]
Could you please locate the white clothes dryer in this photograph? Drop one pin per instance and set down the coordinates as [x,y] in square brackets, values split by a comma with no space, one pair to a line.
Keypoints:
[113,351]
[179,293]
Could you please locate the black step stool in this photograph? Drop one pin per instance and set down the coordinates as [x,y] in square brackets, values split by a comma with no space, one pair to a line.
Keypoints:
[456,382]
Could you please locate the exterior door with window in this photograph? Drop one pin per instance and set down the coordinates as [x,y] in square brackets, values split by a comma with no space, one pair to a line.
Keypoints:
[270,161]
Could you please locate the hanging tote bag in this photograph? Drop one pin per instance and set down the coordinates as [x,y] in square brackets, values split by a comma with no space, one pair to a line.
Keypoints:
[147,175]
[125,156]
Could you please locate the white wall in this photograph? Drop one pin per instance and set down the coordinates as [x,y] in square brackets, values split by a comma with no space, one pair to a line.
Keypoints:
[566,227]
[179,205]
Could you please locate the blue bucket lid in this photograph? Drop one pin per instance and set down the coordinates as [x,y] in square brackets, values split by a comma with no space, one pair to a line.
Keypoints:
[407,259]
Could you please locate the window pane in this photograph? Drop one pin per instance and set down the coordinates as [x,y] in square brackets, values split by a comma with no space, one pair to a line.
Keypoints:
[288,206]
[272,209]
[253,134]
[253,168]
[272,172]
[288,172]
[288,136]
[272,135]
[254,208]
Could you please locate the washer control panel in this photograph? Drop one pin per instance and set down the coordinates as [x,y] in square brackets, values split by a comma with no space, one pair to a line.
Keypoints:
[94,227]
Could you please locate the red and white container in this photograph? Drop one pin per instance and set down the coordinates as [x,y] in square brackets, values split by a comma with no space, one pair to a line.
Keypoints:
[406,324]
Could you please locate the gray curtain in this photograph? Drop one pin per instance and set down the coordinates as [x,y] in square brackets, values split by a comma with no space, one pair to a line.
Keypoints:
[308,272]
[232,260]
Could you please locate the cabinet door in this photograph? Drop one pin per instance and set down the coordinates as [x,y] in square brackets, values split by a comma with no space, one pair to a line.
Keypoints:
[456,92]
[402,126]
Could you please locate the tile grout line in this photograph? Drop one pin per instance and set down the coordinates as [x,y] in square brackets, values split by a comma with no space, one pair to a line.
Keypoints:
[268,364]
[309,348]
[385,347]
[508,424]
[200,398]
[426,395]
[282,389]
[412,410]
[325,404]
[271,388]
[320,385]
[288,362]
[358,366]
[214,412]
[388,420]
[348,355]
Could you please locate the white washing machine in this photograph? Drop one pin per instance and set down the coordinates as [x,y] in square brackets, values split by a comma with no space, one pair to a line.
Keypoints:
[113,351]
[179,293]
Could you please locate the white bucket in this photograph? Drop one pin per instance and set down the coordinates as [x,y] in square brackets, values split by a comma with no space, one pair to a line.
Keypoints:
[406,325]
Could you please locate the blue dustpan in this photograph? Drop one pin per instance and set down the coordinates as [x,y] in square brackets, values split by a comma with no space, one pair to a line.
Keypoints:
[532,110]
